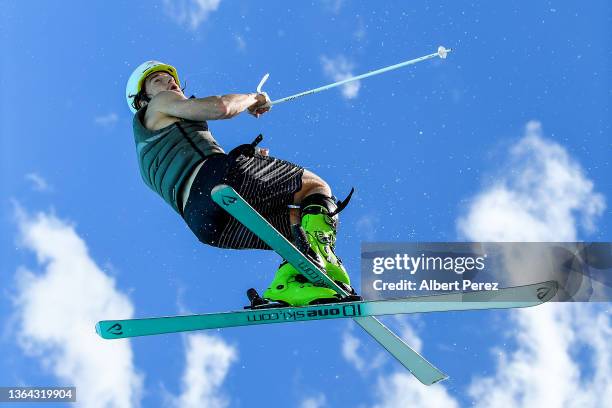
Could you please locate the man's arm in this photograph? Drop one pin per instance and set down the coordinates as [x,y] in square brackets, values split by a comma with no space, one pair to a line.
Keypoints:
[210,108]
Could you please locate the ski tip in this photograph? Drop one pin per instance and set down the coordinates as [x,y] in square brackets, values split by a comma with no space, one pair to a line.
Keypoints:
[547,290]
[218,187]
[224,195]
[442,378]
[110,329]
[437,377]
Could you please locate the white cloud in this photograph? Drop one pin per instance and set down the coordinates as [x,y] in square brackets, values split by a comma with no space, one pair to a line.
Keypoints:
[350,351]
[367,226]
[38,182]
[407,333]
[57,307]
[396,389]
[563,356]
[545,369]
[190,12]
[545,197]
[240,43]
[362,359]
[207,360]
[318,401]
[338,69]
[538,199]
[107,120]
[360,33]
[360,29]
[401,390]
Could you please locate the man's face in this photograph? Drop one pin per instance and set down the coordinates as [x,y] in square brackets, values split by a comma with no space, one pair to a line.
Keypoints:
[160,81]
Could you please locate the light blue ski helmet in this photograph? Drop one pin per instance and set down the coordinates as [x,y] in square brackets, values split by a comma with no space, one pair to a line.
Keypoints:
[134,84]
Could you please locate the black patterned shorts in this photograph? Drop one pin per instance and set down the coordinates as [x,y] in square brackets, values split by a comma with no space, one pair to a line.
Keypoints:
[266,183]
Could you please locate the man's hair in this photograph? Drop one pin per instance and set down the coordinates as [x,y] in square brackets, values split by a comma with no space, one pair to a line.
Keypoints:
[140,97]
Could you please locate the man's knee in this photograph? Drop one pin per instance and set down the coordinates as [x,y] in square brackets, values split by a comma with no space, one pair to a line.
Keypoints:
[312,184]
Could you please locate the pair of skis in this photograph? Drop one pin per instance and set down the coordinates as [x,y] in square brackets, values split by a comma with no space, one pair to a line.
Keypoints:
[362,312]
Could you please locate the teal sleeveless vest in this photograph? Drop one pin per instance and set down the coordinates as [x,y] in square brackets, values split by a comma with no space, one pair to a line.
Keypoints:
[166,157]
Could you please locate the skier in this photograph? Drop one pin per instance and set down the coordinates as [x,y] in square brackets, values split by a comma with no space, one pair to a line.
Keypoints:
[180,160]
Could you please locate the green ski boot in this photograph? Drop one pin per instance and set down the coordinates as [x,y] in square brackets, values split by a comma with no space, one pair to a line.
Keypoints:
[320,222]
[316,238]
[292,288]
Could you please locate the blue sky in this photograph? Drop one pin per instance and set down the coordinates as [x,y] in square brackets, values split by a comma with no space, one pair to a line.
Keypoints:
[507,139]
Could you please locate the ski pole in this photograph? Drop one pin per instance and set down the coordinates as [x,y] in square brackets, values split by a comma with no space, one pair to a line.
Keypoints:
[442,53]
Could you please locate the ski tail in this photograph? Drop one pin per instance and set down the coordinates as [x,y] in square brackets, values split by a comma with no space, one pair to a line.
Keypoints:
[419,366]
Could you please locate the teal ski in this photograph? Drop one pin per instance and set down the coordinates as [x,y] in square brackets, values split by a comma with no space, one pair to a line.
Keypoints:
[520,296]
[237,207]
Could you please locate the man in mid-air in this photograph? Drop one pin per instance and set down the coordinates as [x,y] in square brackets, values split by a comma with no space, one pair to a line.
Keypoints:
[181,161]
